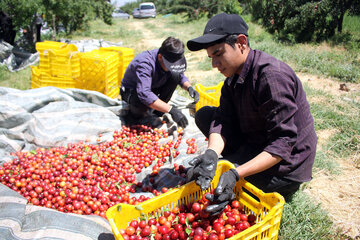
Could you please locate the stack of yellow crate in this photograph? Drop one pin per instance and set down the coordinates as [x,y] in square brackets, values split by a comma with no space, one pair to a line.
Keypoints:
[43,49]
[125,57]
[99,72]
[61,65]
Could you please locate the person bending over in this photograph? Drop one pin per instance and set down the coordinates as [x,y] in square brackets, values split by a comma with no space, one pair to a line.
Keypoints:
[150,81]
[263,123]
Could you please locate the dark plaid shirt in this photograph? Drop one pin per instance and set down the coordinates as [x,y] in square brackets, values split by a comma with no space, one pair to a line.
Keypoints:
[266,106]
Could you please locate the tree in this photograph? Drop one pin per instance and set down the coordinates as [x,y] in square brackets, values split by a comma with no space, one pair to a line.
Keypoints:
[198,9]
[301,20]
[72,14]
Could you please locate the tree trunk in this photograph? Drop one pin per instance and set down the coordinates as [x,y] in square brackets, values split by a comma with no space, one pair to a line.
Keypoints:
[340,22]
[54,28]
[341,16]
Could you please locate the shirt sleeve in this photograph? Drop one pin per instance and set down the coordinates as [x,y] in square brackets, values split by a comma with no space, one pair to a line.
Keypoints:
[277,104]
[143,86]
[183,79]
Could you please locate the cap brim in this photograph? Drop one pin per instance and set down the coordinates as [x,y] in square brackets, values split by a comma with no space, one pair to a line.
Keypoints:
[178,66]
[203,42]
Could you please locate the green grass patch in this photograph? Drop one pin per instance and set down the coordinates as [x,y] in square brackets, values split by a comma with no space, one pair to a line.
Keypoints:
[304,219]
[339,117]
[352,24]
[19,80]
[334,61]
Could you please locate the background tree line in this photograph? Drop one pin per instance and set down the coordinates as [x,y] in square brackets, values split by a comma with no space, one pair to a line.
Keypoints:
[70,14]
[302,21]
[292,20]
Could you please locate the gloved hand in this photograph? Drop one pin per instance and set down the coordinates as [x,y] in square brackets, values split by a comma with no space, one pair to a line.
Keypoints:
[178,117]
[224,192]
[203,169]
[194,94]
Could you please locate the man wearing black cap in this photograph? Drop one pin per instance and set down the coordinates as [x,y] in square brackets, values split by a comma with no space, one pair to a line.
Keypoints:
[151,79]
[263,124]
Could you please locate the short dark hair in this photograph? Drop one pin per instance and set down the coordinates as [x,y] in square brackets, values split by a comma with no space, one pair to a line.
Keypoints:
[231,40]
[172,45]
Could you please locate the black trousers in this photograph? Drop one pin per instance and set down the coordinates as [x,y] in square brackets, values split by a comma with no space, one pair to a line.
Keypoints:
[240,152]
[137,108]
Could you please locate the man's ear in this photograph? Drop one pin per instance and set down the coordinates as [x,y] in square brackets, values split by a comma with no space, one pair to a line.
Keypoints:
[242,40]
[159,56]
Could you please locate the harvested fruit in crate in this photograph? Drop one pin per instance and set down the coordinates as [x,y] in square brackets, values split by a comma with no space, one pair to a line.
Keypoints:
[191,221]
[264,209]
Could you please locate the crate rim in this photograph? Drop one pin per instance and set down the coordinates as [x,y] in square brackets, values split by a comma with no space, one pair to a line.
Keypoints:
[279,205]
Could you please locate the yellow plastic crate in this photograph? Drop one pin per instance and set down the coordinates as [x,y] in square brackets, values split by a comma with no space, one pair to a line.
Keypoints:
[43,49]
[99,72]
[126,56]
[209,96]
[42,79]
[267,207]
[65,62]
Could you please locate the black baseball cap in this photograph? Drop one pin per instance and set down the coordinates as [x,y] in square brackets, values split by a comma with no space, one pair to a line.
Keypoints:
[175,62]
[172,51]
[218,27]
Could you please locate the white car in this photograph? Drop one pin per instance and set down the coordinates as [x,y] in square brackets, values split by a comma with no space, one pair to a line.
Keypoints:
[118,13]
[147,9]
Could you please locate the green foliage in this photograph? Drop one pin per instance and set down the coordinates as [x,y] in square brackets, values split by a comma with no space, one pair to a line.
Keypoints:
[198,9]
[71,14]
[312,58]
[300,20]
[192,9]
[77,14]
[21,11]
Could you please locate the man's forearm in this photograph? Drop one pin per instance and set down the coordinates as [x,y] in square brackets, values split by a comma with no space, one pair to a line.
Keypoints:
[216,143]
[186,85]
[160,106]
[260,163]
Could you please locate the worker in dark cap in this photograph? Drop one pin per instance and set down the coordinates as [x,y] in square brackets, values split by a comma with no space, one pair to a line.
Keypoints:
[263,123]
[150,81]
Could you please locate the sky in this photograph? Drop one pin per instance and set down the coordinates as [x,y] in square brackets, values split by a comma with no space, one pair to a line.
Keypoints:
[120,3]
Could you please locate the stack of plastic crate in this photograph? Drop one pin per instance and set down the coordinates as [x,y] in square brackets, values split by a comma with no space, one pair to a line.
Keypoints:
[99,72]
[59,66]
[125,57]
[65,62]
[43,48]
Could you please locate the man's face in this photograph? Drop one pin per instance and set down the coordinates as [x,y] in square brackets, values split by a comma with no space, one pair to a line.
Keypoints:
[161,61]
[226,59]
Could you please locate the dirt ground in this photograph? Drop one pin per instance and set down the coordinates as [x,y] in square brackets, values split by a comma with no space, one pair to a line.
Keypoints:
[338,194]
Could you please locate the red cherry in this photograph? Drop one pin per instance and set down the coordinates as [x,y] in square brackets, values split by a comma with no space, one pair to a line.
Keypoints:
[196,207]
[229,233]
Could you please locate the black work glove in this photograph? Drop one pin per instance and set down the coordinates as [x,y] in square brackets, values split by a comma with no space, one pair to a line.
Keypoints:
[194,94]
[224,192]
[203,169]
[178,117]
